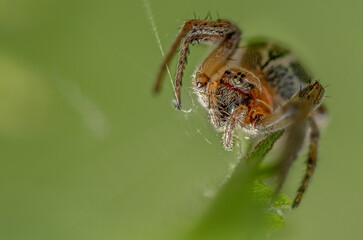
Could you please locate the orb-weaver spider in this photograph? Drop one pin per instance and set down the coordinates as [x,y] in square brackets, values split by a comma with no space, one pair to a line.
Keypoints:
[260,88]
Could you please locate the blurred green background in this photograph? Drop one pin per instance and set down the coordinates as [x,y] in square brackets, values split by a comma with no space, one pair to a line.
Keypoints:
[87,151]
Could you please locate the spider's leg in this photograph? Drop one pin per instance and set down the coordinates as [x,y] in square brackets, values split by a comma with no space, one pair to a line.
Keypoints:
[311,162]
[238,116]
[183,32]
[196,31]
[303,102]
[293,115]
[295,138]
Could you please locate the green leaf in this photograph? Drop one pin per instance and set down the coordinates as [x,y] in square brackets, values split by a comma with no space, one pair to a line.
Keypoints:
[241,208]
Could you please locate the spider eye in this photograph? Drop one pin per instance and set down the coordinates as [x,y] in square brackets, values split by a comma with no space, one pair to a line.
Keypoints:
[251,86]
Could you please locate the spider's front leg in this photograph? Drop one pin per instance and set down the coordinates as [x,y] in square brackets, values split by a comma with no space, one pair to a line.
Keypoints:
[222,31]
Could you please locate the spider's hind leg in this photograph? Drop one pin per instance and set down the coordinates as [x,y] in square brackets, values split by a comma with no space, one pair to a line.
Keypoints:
[295,115]
[296,132]
[311,162]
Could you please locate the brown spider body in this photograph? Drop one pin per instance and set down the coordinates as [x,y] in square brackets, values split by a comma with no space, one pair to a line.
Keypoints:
[259,88]
[236,87]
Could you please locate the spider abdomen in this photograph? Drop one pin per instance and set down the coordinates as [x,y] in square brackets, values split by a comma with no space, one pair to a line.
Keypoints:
[281,70]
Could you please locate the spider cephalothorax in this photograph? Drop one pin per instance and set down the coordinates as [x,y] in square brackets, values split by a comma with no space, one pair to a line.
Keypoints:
[260,88]
[236,88]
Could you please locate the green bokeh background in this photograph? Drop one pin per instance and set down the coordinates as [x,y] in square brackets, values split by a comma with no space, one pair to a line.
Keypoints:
[87,152]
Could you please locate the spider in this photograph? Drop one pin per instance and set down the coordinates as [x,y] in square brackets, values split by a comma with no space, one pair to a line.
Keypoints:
[260,88]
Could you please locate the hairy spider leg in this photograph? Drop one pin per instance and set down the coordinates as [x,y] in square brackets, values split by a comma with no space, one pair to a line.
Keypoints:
[222,31]
[295,138]
[311,161]
[294,114]
[309,97]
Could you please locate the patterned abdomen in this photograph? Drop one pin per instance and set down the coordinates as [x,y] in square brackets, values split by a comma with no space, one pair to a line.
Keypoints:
[279,67]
